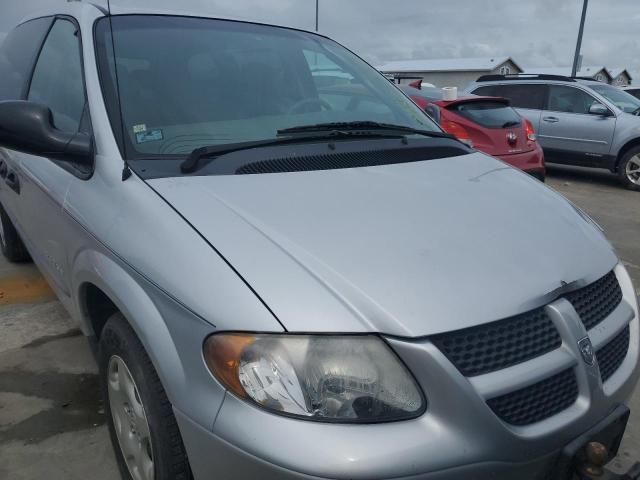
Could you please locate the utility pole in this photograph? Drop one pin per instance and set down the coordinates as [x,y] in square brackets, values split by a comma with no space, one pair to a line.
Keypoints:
[576,57]
[317,9]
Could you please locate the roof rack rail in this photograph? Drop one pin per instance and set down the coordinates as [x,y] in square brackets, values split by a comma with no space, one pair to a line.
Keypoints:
[585,78]
[524,76]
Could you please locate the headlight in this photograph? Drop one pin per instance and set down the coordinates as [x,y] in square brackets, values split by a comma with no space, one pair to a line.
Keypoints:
[343,378]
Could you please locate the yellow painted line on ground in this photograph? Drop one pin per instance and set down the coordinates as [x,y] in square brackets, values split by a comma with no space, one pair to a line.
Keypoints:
[31,288]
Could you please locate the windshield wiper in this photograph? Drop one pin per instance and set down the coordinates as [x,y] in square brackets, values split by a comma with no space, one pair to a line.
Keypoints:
[192,162]
[636,111]
[362,125]
[305,133]
[511,123]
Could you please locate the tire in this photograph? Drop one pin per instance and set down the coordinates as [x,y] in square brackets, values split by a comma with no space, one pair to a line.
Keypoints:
[10,242]
[538,175]
[629,163]
[163,444]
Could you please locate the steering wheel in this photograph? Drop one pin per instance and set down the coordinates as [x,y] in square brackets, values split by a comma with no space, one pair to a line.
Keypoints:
[297,107]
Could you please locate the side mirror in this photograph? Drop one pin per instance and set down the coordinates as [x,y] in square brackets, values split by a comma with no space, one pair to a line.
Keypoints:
[599,109]
[28,127]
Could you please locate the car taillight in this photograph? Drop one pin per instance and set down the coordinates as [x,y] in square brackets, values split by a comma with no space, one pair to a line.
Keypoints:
[457,131]
[529,131]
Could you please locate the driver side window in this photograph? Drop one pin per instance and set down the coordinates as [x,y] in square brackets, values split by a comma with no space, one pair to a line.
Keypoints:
[57,79]
[569,100]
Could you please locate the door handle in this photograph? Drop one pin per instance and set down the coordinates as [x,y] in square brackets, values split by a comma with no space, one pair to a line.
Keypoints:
[13,181]
[551,119]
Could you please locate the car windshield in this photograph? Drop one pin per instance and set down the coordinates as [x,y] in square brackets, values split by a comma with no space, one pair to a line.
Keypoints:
[186,83]
[618,97]
[431,94]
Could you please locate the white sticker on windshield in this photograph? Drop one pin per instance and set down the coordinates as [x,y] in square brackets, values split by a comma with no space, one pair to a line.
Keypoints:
[149,136]
[139,128]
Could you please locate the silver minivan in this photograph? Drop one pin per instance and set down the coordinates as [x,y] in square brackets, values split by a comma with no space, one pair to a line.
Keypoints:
[288,278]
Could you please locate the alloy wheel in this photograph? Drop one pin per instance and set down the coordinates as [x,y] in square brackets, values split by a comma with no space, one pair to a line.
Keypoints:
[632,170]
[130,420]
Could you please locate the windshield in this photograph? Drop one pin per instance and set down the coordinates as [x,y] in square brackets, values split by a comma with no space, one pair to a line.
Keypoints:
[431,94]
[488,114]
[618,97]
[189,82]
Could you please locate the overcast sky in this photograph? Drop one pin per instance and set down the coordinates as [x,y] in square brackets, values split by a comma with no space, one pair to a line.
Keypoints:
[533,32]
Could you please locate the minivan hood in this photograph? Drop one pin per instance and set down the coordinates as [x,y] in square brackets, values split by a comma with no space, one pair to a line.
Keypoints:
[408,249]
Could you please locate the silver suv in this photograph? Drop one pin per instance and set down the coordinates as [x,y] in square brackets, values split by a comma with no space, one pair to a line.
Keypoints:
[288,278]
[578,121]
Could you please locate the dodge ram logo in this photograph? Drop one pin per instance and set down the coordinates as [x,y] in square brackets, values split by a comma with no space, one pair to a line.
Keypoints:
[586,350]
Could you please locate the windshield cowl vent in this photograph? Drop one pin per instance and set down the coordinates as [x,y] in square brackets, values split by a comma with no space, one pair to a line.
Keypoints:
[339,160]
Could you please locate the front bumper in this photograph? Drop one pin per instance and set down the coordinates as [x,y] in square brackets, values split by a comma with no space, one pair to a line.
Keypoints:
[212,457]
[530,162]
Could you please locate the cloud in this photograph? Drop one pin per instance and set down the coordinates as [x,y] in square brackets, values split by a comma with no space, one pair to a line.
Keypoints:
[534,32]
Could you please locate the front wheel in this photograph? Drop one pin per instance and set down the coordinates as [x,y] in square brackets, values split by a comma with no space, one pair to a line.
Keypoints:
[143,429]
[629,169]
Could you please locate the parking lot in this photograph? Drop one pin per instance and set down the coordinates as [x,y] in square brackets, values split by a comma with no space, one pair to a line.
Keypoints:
[51,420]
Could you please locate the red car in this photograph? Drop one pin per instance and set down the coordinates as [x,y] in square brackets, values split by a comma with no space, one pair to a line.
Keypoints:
[488,124]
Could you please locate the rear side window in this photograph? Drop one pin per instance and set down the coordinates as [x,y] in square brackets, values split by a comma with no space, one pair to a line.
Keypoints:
[57,79]
[634,91]
[488,91]
[488,114]
[17,54]
[521,95]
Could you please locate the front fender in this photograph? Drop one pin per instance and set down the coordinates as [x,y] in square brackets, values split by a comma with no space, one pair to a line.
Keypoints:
[170,333]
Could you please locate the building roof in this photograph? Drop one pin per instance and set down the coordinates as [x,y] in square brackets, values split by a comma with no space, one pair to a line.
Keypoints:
[615,72]
[475,64]
[585,71]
